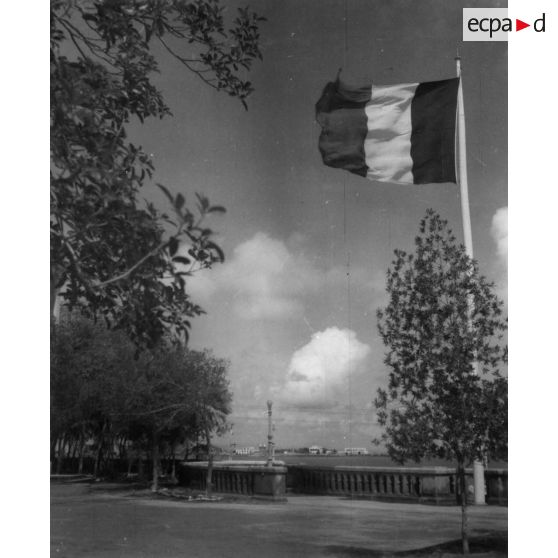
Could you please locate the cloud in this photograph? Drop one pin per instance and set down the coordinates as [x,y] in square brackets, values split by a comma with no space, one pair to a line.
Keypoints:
[499,230]
[318,372]
[263,278]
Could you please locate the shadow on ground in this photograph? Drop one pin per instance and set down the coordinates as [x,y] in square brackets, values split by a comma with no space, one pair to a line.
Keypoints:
[493,545]
[167,491]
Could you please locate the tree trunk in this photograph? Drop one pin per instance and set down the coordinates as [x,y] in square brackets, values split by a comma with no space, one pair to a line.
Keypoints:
[74,449]
[141,471]
[155,457]
[53,297]
[173,470]
[462,480]
[97,459]
[99,450]
[130,463]
[209,478]
[53,442]
[59,455]
[119,441]
[81,449]
[108,455]
[68,447]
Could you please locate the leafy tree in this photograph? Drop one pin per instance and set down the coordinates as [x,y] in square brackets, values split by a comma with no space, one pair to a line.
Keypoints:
[181,394]
[443,327]
[112,256]
[212,406]
[92,368]
[100,392]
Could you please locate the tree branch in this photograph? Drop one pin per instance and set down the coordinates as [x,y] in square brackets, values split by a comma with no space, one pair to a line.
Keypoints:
[186,63]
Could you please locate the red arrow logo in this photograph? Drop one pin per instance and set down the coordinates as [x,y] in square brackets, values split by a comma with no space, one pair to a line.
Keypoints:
[519,25]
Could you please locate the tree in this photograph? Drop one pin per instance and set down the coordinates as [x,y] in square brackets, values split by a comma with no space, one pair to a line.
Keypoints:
[112,256]
[100,392]
[213,404]
[179,394]
[443,327]
[92,370]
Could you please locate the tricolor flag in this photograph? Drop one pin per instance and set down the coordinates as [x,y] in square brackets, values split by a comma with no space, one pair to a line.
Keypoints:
[401,133]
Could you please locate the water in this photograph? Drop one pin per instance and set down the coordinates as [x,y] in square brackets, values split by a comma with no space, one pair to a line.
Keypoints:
[356,461]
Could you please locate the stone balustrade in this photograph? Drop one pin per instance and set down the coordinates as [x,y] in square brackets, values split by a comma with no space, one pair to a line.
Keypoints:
[425,484]
[256,480]
[436,485]
[496,486]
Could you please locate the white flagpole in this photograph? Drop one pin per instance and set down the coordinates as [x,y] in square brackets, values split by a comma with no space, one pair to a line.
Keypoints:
[463,184]
[478,468]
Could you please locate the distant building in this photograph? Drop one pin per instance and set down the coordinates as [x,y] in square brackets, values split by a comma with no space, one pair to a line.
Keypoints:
[251,450]
[316,450]
[355,451]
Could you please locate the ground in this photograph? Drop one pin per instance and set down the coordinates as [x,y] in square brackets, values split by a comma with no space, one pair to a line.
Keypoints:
[109,521]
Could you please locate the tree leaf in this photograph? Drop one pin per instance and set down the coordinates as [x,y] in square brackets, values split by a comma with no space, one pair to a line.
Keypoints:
[179,201]
[166,192]
[173,245]
[216,209]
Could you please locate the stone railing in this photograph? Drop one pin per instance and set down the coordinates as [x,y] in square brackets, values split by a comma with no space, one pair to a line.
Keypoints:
[496,486]
[433,484]
[254,479]
[436,485]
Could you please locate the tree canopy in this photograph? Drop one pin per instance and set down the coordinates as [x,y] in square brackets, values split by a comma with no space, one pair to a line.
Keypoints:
[112,255]
[443,327]
[444,331]
[101,393]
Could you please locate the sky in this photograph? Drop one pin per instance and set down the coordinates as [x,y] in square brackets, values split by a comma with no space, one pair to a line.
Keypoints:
[307,246]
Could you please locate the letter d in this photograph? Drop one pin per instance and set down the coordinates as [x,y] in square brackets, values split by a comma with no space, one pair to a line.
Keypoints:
[541,19]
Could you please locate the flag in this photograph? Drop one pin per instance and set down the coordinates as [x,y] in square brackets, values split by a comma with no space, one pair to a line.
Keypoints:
[401,133]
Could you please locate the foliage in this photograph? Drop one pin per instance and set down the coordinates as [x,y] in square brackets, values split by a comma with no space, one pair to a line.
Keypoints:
[110,255]
[100,392]
[87,366]
[446,395]
[442,320]
[181,392]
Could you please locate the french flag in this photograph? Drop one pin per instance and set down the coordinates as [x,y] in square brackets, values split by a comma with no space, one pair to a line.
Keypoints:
[402,133]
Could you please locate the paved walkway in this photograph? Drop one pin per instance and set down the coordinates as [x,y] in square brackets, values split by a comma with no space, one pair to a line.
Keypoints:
[94,522]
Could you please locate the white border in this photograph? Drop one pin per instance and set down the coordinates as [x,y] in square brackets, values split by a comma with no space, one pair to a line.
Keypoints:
[25,280]
[533,309]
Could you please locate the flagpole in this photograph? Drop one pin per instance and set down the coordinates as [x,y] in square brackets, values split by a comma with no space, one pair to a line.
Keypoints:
[463,184]
[478,468]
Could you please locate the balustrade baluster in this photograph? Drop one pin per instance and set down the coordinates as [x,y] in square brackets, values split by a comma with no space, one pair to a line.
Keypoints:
[358,483]
[417,486]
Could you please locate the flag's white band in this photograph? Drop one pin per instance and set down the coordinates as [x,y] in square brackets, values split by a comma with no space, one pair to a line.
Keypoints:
[387,146]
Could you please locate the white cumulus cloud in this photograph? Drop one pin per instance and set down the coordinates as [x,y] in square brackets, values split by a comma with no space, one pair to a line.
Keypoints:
[262,278]
[318,372]
[499,232]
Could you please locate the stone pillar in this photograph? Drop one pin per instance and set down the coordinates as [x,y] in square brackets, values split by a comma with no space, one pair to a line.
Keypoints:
[479,488]
[269,435]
